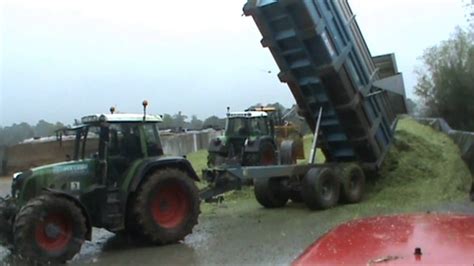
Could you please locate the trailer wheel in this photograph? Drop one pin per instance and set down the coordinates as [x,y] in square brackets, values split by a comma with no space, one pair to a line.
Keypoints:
[166,207]
[270,192]
[353,183]
[321,188]
[49,229]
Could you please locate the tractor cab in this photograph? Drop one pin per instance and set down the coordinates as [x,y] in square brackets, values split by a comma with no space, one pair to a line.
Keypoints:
[120,140]
[246,133]
[128,135]
[248,124]
[242,127]
[105,148]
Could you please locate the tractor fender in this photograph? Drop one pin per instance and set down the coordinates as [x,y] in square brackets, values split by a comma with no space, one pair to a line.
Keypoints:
[254,146]
[72,198]
[151,165]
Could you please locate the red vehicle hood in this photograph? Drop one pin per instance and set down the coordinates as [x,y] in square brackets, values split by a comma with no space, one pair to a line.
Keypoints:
[392,240]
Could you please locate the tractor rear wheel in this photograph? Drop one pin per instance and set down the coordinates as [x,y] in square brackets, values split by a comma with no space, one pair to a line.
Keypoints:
[321,188]
[353,183]
[270,192]
[267,154]
[166,207]
[49,229]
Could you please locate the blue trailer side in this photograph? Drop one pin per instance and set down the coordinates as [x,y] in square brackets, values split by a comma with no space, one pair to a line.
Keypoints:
[326,63]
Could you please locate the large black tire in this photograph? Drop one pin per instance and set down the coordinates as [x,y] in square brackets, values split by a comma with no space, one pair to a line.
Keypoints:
[353,183]
[49,229]
[288,152]
[321,188]
[166,207]
[270,192]
[266,155]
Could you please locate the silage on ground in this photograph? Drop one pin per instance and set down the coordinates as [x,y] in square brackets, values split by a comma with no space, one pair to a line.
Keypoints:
[422,165]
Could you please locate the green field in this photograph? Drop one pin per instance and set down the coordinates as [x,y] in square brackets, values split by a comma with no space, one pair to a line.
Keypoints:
[423,166]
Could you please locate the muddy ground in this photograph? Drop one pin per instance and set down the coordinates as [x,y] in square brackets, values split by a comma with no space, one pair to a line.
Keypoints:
[237,231]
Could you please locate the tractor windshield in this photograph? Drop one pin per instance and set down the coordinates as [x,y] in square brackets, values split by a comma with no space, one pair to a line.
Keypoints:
[244,126]
[237,126]
[259,126]
[125,140]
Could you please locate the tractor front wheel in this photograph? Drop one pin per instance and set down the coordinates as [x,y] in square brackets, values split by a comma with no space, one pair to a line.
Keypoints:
[49,229]
[166,207]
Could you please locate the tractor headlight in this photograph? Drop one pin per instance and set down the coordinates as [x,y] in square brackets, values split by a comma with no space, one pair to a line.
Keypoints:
[16,184]
[16,175]
[18,180]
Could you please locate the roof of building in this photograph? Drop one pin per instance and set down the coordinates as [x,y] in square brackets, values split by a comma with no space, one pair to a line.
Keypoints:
[121,118]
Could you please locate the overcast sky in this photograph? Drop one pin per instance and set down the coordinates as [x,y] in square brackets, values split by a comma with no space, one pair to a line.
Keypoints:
[63,59]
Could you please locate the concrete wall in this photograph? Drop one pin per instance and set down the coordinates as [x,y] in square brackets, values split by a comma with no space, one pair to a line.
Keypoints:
[28,155]
[182,144]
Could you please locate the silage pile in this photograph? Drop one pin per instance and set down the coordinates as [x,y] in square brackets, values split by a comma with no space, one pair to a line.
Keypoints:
[422,165]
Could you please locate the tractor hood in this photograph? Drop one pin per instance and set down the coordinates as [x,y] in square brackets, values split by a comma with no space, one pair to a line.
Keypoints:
[58,175]
[69,167]
[417,239]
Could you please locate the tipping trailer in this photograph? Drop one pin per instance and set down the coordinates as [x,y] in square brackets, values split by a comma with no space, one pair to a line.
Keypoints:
[349,98]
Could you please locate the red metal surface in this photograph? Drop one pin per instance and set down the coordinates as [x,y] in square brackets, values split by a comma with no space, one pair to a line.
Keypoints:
[170,206]
[60,238]
[391,240]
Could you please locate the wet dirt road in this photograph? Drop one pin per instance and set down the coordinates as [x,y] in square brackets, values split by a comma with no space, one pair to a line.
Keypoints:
[238,231]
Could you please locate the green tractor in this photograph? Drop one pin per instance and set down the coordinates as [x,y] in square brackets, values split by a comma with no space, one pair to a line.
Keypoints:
[116,178]
[256,137]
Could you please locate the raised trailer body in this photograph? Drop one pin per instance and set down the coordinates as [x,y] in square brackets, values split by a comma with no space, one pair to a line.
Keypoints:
[325,61]
[348,98]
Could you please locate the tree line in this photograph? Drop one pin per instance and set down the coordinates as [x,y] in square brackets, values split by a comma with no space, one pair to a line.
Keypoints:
[446,80]
[18,132]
